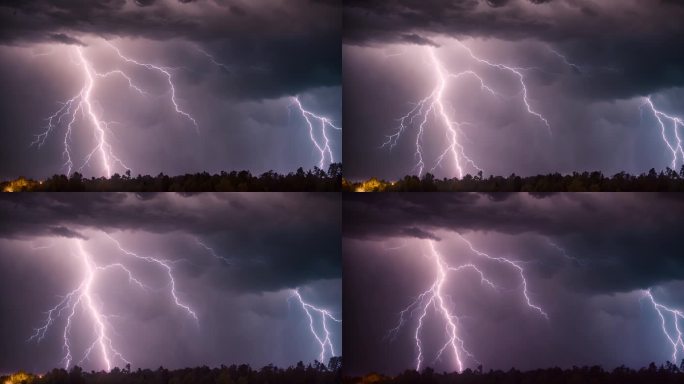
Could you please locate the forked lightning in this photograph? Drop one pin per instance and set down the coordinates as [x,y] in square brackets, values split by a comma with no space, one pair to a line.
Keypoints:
[322,335]
[436,104]
[85,301]
[321,144]
[84,103]
[670,322]
[437,297]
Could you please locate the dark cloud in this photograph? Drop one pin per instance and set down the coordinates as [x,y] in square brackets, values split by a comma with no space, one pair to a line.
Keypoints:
[417,39]
[293,42]
[497,3]
[500,3]
[418,233]
[144,3]
[65,232]
[591,225]
[628,43]
[291,247]
[66,39]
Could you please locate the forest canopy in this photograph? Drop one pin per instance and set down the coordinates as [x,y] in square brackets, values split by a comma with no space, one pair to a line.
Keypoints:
[315,373]
[316,180]
[665,181]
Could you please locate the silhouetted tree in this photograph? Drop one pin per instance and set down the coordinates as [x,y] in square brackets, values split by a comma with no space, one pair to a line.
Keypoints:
[316,373]
[665,181]
[666,373]
[313,180]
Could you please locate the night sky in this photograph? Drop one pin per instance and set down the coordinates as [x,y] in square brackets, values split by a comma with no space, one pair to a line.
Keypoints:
[587,259]
[264,245]
[262,55]
[588,66]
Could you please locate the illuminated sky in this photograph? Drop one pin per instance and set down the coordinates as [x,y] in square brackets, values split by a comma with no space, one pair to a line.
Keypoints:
[241,97]
[587,259]
[264,245]
[589,66]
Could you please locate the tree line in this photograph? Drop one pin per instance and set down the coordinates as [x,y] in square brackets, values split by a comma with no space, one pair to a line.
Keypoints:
[242,181]
[665,374]
[652,181]
[315,373]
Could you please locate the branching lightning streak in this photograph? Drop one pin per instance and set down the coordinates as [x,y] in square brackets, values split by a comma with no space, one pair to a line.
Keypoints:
[565,60]
[213,59]
[676,339]
[324,146]
[84,297]
[323,339]
[517,72]
[212,252]
[563,252]
[436,298]
[434,103]
[515,265]
[83,102]
[164,71]
[676,147]
[165,264]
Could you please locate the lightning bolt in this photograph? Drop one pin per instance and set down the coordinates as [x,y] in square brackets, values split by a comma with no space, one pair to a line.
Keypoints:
[676,146]
[213,59]
[435,104]
[212,252]
[85,298]
[517,71]
[312,119]
[164,264]
[563,252]
[576,68]
[169,78]
[675,316]
[323,338]
[435,297]
[83,102]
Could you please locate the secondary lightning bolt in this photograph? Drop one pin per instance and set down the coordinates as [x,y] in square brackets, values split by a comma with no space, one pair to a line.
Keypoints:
[85,297]
[563,252]
[436,297]
[434,103]
[164,264]
[576,68]
[676,146]
[675,316]
[323,338]
[213,59]
[83,102]
[212,252]
[312,119]
[165,72]
[521,78]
